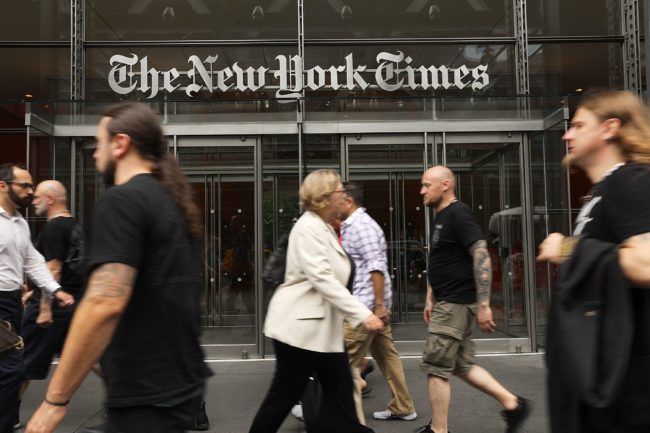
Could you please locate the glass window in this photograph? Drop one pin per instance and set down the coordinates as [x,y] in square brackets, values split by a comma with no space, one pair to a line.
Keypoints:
[173,64]
[35,20]
[35,73]
[190,20]
[412,70]
[358,19]
[559,69]
[574,18]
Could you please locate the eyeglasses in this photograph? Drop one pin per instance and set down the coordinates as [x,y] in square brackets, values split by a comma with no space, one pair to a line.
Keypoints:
[23,185]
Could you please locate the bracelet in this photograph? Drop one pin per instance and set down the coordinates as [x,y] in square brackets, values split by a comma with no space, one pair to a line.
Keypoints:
[53,403]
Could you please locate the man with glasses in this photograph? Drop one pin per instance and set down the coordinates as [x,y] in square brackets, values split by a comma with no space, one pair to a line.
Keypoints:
[17,257]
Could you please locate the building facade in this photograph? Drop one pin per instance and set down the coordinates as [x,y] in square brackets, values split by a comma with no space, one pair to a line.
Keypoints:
[254,94]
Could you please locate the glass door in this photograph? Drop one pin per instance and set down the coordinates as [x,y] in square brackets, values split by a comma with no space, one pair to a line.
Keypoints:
[223,180]
[388,170]
[489,180]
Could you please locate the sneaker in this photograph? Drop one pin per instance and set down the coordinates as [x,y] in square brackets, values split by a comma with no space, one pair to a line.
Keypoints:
[296,411]
[425,429]
[370,367]
[387,415]
[515,418]
[201,421]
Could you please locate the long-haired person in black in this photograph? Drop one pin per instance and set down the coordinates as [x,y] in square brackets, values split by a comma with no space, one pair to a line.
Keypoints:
[306,314]
[144,253]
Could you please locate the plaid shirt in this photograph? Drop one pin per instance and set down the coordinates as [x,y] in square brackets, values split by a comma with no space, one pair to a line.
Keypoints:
[364,241]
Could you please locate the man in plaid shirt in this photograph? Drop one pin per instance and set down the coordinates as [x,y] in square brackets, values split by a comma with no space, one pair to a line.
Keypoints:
[364,241]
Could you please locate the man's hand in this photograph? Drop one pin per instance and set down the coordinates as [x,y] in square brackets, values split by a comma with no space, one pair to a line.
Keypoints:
[46,418]
[484,318]
[373,323]
[27,295]
[634,257]
[44,318]
[550,250]
[428,306]
[382,313]
[65,299]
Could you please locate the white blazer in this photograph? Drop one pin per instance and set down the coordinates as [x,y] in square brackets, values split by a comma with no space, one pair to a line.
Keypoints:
[308,309]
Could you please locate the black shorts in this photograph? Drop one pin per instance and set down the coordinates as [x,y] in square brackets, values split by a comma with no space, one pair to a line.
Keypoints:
[42,344]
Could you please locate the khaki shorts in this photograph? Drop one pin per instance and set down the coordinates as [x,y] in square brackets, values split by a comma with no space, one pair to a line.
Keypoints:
[449,348]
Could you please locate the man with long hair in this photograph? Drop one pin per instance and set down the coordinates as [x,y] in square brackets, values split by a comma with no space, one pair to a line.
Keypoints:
[609,139]
[143,262]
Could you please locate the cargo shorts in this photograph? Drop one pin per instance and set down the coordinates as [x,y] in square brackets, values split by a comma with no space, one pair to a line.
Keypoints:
[449,348]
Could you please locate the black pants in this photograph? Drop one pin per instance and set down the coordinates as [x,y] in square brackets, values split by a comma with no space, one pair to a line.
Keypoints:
[12,369]
[139,419]
[293,368]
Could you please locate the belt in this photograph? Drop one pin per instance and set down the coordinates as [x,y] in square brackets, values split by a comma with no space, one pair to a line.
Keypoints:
[11,294]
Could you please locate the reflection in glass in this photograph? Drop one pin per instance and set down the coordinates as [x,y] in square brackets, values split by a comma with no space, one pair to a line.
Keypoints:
[190,20]
[35,73]
[574,18]
[488,180]
[407,19]
[560,69]
[23,20]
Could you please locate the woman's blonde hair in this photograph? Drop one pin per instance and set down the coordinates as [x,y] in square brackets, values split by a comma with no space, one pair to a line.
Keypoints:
[317,187]
[634,135]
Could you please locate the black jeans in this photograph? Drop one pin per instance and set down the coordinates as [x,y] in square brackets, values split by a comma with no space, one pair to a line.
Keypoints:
[292,371]
[12,369]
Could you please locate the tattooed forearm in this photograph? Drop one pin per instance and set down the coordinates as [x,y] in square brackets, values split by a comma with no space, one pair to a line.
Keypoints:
[111,280]
[482,270]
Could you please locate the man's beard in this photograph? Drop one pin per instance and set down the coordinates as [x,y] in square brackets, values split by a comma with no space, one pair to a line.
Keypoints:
[41,209]
[18,201]
[109,174]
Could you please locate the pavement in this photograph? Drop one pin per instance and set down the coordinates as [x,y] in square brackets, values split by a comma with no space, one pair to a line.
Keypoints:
[238,387]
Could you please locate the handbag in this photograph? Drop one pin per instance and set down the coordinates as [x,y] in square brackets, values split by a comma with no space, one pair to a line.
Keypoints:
[9,339]
[275,268]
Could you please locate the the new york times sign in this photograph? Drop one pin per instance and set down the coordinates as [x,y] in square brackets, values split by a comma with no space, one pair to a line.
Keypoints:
[393,71]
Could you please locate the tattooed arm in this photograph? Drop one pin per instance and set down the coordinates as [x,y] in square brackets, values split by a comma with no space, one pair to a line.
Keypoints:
[634,256]
[482,267]
[107,295]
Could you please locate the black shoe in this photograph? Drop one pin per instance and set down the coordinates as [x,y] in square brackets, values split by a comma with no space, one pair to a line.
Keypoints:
[426,429]
[201,421]
[370,367]
[515,418]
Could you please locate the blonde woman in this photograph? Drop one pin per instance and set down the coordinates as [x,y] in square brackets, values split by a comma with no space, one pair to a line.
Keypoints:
[306,314]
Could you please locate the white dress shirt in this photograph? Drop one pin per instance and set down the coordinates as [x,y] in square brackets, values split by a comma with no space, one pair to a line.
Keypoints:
[18,256]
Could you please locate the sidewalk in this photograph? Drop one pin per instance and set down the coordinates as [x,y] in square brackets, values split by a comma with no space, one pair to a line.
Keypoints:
[237,389]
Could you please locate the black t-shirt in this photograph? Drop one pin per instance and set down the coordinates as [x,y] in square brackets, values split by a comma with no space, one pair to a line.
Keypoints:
[155,355]
[620,208]
[54,243]
[451,274]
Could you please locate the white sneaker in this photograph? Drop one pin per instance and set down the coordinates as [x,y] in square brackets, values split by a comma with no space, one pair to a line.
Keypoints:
[296,411]
[387,415]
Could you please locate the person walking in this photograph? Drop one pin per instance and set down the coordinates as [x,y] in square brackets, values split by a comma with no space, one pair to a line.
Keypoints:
[305,316]
[609,139]
[458,294]
[144,269]
[17,258]
[364,241]
[45,325]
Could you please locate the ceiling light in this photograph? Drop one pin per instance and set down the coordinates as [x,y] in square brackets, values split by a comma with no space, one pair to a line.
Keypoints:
[28,95]
[579,90]
[258,13]
[434,12]
[346,12]
[168,14]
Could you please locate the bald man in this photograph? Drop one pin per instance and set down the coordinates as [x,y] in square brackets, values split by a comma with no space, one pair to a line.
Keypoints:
[458,295]
[45,326]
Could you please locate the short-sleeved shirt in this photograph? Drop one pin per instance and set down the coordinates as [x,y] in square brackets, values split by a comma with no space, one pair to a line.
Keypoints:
[451,273]
[155,355]
[54,244]
[618,209]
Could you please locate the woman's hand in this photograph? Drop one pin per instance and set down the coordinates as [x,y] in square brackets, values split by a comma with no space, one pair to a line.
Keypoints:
[373,323]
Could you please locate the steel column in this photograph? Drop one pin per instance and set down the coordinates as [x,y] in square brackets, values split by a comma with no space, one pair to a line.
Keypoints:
[631,47]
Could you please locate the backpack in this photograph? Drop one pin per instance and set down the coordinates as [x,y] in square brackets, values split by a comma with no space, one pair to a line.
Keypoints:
[75,260]
[273,274]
